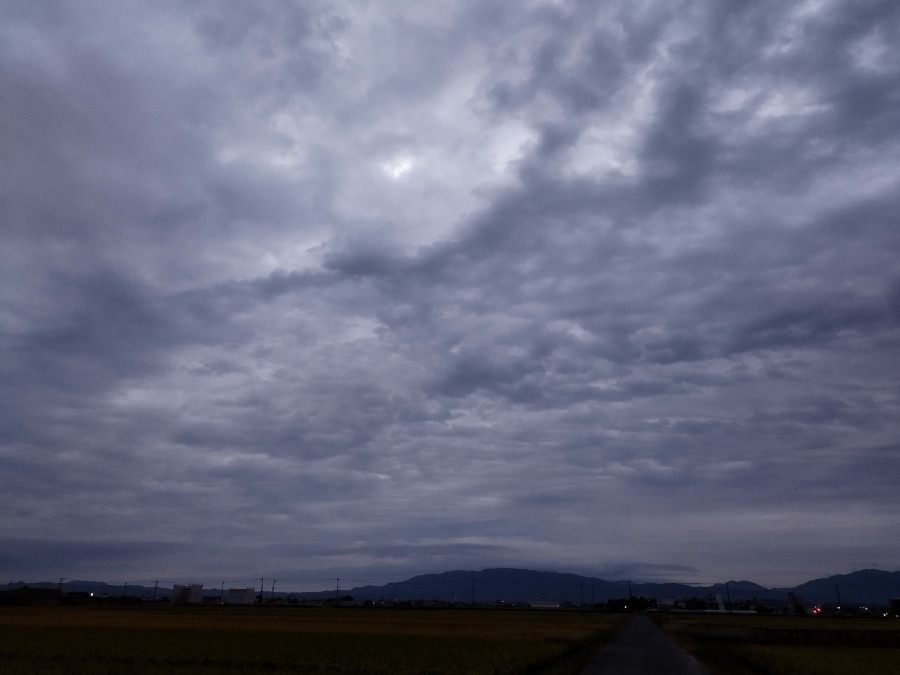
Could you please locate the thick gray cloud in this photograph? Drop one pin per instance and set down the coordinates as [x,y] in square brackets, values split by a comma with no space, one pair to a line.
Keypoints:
[365,290]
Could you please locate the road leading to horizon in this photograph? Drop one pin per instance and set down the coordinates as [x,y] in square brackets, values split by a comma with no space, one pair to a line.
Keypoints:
[642,649]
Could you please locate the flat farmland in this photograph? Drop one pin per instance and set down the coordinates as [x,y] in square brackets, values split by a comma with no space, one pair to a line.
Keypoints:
[56,640]
[788,645]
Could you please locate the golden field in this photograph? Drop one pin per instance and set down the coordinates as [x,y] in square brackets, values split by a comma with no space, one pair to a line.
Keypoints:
[788,645]
[214,640]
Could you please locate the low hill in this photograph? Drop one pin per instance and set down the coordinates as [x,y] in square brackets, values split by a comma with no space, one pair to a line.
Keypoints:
[865,587]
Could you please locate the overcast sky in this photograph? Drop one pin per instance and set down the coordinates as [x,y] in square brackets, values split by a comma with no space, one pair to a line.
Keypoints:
[370,289]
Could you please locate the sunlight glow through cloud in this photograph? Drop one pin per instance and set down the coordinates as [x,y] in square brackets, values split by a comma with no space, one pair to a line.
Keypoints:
[398,167]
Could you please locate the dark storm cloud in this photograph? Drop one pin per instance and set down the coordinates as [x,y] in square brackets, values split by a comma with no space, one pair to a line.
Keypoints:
[377,288]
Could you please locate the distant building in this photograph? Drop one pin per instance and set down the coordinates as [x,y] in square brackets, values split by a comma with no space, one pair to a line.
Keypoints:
[191,594]
[796,604]
[240,596]
[714,603]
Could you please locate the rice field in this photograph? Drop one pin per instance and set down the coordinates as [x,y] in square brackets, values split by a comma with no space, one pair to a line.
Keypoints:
[220,640]
[788,645]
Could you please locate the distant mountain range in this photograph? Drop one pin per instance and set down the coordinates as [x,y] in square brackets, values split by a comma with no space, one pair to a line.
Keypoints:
[510,585]
[866,587]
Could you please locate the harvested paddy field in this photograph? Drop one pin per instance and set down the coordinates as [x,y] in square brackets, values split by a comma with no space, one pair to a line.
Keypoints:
[210,640]
[788,645]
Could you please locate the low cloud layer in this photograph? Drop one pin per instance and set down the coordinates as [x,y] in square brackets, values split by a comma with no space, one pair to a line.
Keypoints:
[366,290]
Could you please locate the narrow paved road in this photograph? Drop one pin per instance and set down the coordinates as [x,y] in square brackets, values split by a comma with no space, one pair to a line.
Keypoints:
[641,648]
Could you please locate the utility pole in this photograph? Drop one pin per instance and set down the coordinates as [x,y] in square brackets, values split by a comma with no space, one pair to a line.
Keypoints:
[222,593]
[155,587]
[337,591]
[61,579]
[728,597]
[837,592]
[273,589]
[261,587]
